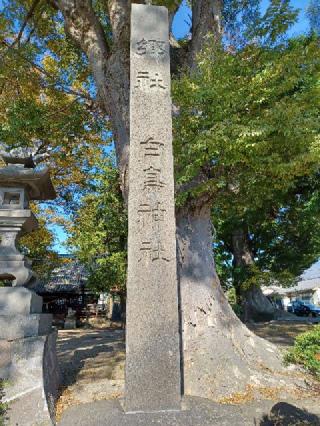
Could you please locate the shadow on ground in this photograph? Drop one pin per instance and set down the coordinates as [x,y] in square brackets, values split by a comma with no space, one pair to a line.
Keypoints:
[284,414]
[89,354]
[280,333]
[92,364]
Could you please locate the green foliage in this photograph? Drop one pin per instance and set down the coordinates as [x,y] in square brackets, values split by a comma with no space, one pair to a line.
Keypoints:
[306,351]
[244,23]
[248,126]
[313,13]
[99,230]
[3,407]
[248,120]
[45,101]
[223,262]
[290,240]
[252,117]
[109,272]
[284,239]
[46,95]
[232,299]
[276,21]
[37,246]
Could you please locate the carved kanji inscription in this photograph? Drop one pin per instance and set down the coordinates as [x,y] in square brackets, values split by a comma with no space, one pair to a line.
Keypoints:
[151,214]
[152,147]
[152,179]
[153,250]
[151,47]
[146,80]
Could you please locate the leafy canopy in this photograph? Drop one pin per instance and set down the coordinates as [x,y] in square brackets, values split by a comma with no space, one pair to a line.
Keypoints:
[247,137]
[99,230]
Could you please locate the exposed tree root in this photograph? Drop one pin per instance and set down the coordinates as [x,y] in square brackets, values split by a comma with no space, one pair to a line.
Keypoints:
[221,356]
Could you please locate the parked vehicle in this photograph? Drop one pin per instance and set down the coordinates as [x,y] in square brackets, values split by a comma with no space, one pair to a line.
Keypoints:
[293,305]
[301,308]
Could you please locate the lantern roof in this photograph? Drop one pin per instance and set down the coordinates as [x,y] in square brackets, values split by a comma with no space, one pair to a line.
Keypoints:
[37,182]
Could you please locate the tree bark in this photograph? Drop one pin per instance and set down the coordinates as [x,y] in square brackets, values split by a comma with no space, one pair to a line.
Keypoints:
[220,355]
[110,65]
[255,304]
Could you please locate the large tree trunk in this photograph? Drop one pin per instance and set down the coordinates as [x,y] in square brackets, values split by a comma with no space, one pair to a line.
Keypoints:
[255,304]
[220,355]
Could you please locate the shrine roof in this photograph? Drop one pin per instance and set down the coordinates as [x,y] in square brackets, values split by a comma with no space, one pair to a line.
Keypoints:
[70,277]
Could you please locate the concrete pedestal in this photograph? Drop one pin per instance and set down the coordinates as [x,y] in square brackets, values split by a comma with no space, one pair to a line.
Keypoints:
[198,412]
[194,412]
[19,300]
[28,362]
[30,368]
[19,326]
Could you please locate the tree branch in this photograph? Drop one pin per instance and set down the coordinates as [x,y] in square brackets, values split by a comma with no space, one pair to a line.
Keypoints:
[119,15]
[206,18]
[55,82]
[109,64]
[85,29]
[29,15]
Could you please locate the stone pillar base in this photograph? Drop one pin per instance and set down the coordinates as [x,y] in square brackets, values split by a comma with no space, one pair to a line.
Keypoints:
[30,369]
[19,300]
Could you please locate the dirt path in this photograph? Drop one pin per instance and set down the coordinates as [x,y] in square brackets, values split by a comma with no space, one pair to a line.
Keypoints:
[92,365]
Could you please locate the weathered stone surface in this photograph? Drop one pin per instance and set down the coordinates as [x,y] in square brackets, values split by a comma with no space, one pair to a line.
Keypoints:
[16,270]
[19,300]
[195,412]
[152,351]
[27,343]
[13,223]
[18,326]
[24,220]
[18,186]
[199,412]
[31,370]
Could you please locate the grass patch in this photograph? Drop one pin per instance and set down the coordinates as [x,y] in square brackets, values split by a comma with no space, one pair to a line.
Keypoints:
[306,351]
[3,407]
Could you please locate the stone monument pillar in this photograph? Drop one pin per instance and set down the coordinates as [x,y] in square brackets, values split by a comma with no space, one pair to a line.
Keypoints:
[27,341]
[152,341]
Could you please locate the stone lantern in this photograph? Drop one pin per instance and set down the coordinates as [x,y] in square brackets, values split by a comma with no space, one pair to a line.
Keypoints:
[27,340]
[20,183]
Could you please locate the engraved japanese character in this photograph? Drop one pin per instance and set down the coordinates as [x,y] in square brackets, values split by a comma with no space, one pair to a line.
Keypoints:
[158,213]
[151,214]
[153,250]
[152,47]
[157,82]
[152,147]
[146,81]
[152,178]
